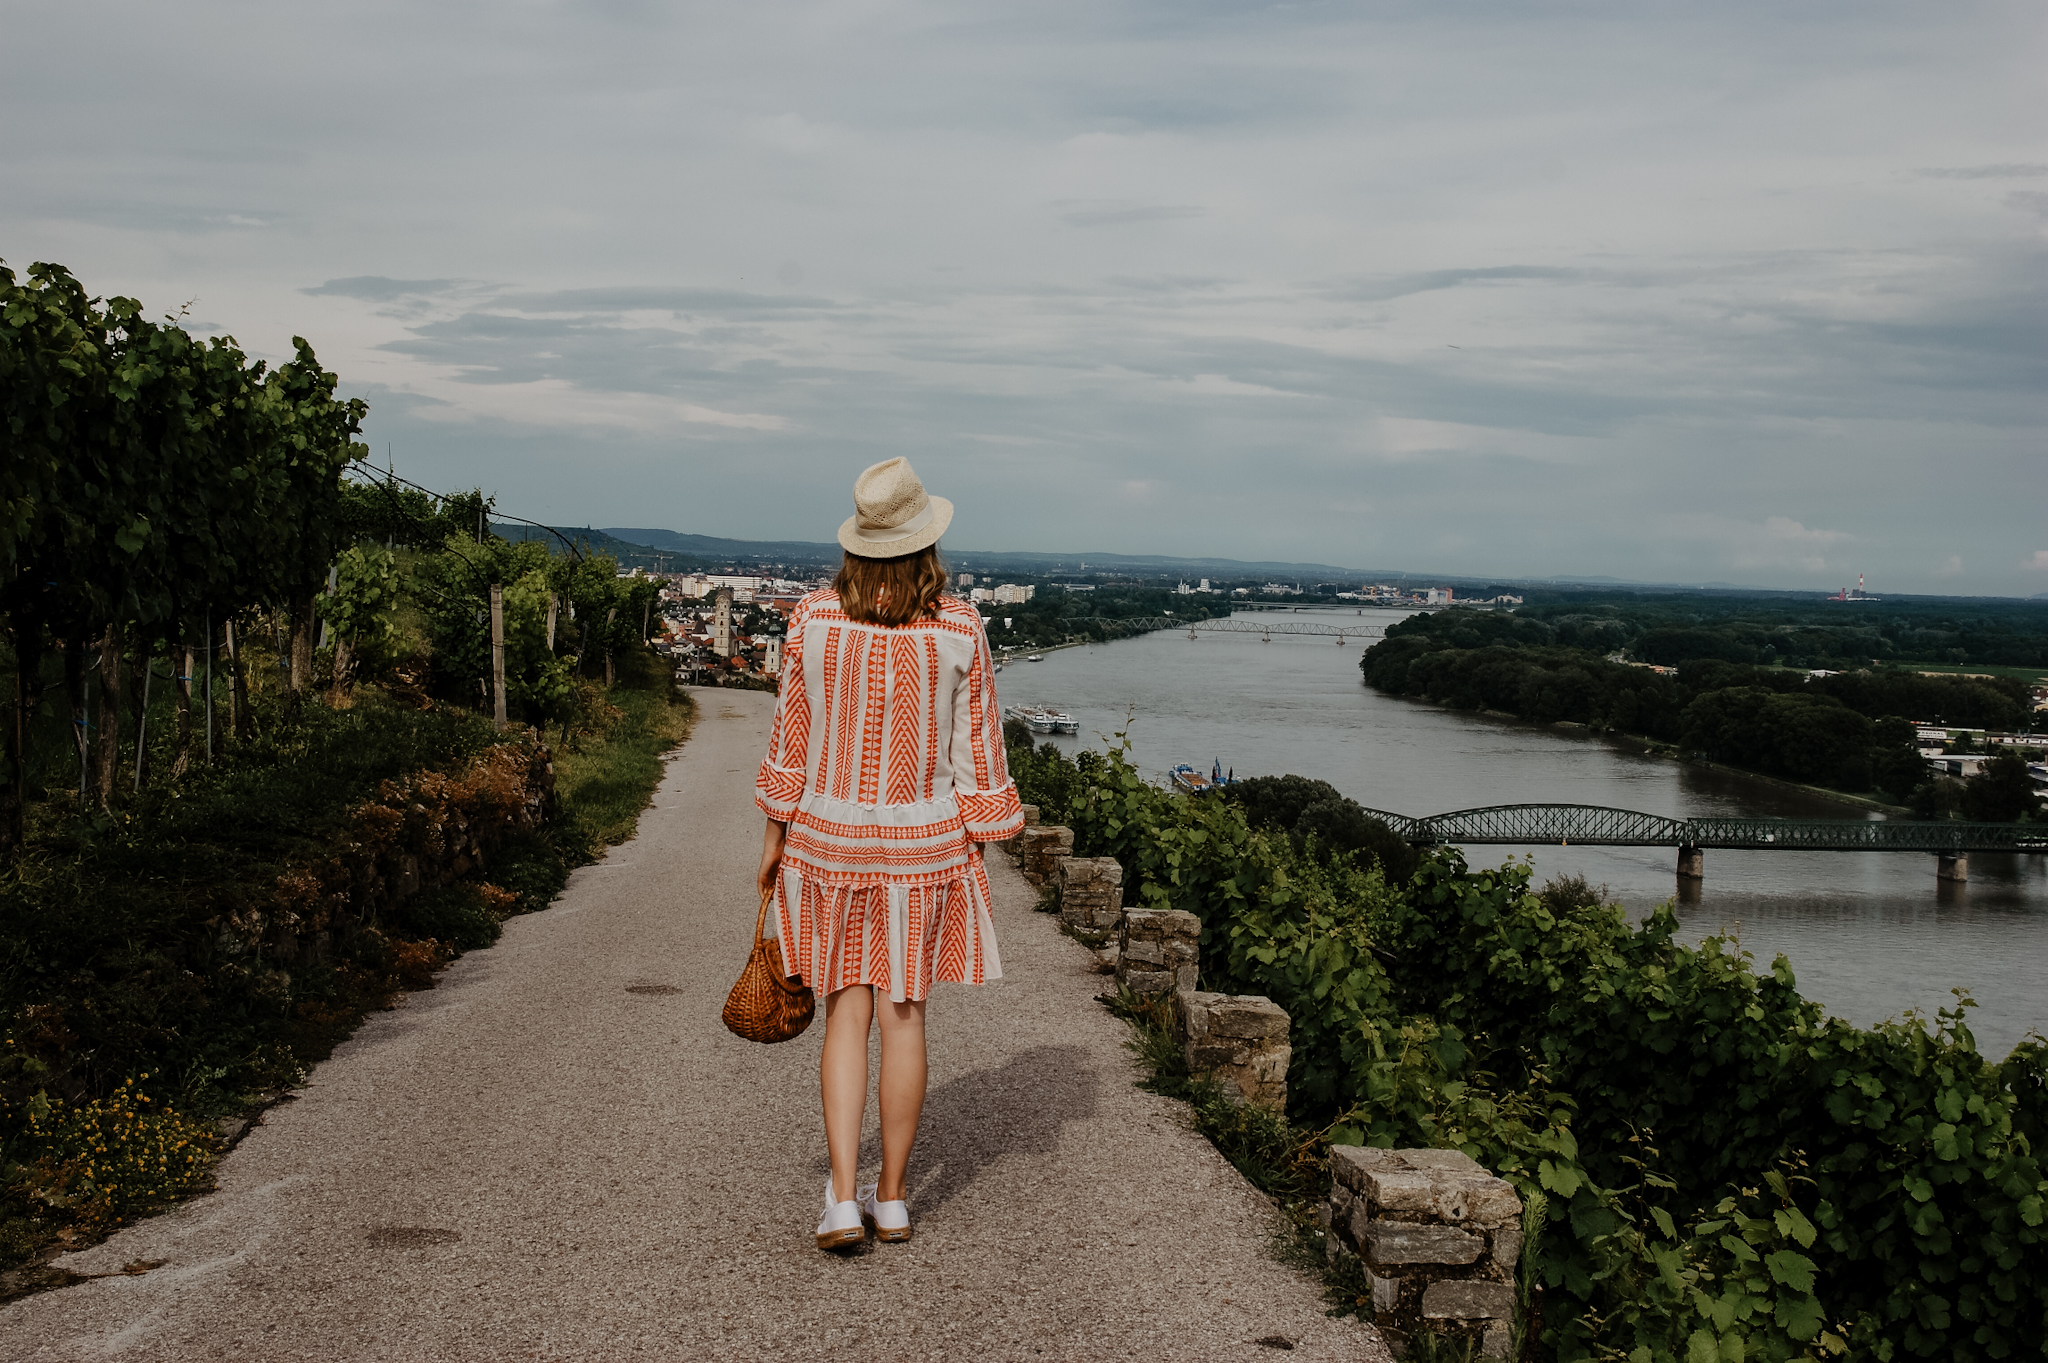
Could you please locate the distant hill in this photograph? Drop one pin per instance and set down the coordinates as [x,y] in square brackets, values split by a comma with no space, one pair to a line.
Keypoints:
[628,553]
[712,549]
[1020,560]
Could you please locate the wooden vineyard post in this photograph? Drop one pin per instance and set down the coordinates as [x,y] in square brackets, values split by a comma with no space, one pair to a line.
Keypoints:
[498,654]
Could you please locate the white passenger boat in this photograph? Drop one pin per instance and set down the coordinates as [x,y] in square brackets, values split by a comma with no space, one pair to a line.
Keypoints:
[1043,719]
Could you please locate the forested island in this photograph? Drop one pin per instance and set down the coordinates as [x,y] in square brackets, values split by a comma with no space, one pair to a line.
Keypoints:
[1736,681]
[1095,613]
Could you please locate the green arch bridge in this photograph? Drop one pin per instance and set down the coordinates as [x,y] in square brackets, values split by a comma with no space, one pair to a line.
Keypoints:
[1599,826]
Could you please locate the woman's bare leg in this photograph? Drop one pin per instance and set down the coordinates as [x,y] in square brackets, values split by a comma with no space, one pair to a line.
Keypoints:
[843,1080]
[902,1090]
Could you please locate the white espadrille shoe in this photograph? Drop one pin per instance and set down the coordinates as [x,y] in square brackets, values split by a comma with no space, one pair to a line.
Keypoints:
[841,1225]
[891,1219]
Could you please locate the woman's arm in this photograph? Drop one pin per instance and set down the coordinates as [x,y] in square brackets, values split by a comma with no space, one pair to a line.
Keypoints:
[981,778]
[772,838]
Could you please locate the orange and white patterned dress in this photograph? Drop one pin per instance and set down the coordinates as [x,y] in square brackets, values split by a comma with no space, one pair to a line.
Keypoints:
[886,761]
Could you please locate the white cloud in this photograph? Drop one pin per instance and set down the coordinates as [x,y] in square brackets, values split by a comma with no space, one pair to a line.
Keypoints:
[1952,566]
[1528,273]
[2039,562]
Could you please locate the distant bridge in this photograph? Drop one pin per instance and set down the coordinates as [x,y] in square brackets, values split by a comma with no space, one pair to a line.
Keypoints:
[1265,629]
[1599,826]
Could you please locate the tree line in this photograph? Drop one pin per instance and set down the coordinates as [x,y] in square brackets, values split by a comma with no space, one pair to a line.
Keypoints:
[1773,630]
[1852,732]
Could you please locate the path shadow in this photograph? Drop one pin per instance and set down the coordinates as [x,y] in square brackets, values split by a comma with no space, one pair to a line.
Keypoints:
[1016,1108]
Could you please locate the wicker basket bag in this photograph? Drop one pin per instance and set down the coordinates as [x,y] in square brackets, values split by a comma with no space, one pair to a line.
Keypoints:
[767,1005]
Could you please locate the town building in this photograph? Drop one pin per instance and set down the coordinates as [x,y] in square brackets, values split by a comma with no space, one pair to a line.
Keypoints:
[721,623]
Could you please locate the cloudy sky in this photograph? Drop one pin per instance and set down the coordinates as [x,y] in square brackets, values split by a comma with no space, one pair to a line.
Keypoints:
[1674,292]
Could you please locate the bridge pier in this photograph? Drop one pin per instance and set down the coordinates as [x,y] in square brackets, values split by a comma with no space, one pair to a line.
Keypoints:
[1692,864]
[1952,866]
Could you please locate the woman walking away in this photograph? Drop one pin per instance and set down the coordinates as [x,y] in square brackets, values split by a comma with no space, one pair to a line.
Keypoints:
[884,777]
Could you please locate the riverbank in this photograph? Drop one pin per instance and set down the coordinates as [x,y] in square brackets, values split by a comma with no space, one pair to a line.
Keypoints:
[1650,747]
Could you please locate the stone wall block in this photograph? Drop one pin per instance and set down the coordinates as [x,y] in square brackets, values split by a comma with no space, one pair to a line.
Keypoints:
[1040,850]
[1441,1239]
[1507,1248]
[1158,950]
[1417,1242]
[1250,1057]
[1450,1299]
[1091,891]
[1485,1200]
[1452,1162]
[1351,1164]
[1014,847]
[1401,1190]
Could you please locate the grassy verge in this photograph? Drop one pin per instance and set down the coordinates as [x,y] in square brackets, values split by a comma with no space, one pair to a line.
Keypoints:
[605,774]
[149,1003]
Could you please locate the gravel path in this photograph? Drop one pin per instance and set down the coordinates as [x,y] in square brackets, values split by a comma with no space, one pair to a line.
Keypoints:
[560,1153]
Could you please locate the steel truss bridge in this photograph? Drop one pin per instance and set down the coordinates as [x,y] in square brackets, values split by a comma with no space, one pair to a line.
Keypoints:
[1598,826]
[1265,629]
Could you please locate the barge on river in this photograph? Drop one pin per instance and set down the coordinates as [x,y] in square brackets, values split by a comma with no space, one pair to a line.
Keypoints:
[1194,781]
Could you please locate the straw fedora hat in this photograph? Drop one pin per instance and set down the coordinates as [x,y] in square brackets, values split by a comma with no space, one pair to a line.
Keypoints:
[892,515]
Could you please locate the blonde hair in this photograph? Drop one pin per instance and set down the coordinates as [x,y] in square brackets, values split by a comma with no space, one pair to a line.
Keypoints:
[891,591]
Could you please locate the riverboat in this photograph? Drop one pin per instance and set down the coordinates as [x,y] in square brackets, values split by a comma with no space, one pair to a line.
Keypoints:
[1043,719]
[1034,657]
[1194,781]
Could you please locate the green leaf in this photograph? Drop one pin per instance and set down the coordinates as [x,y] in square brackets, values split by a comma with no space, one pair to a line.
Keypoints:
[1791,1221]
[133,536]
[1791,1269]
[1702,1349]
[1799,1317]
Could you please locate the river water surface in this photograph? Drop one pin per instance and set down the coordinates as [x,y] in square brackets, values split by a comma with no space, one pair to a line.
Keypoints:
[1869,935]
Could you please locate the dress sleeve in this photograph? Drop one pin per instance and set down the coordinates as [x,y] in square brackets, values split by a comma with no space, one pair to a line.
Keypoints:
[785,770]
[990,809]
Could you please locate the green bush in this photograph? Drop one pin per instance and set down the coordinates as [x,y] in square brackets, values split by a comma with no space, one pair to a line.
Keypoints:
[1722,1171]
[1314,813]
[455,914]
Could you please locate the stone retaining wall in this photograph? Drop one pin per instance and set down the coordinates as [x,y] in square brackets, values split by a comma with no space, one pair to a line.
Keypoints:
[1440,1238]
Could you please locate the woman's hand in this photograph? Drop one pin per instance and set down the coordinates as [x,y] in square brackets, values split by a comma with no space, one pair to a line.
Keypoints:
[772,839]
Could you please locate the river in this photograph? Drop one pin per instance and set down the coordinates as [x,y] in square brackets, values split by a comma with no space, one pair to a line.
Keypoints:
[1869,935]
